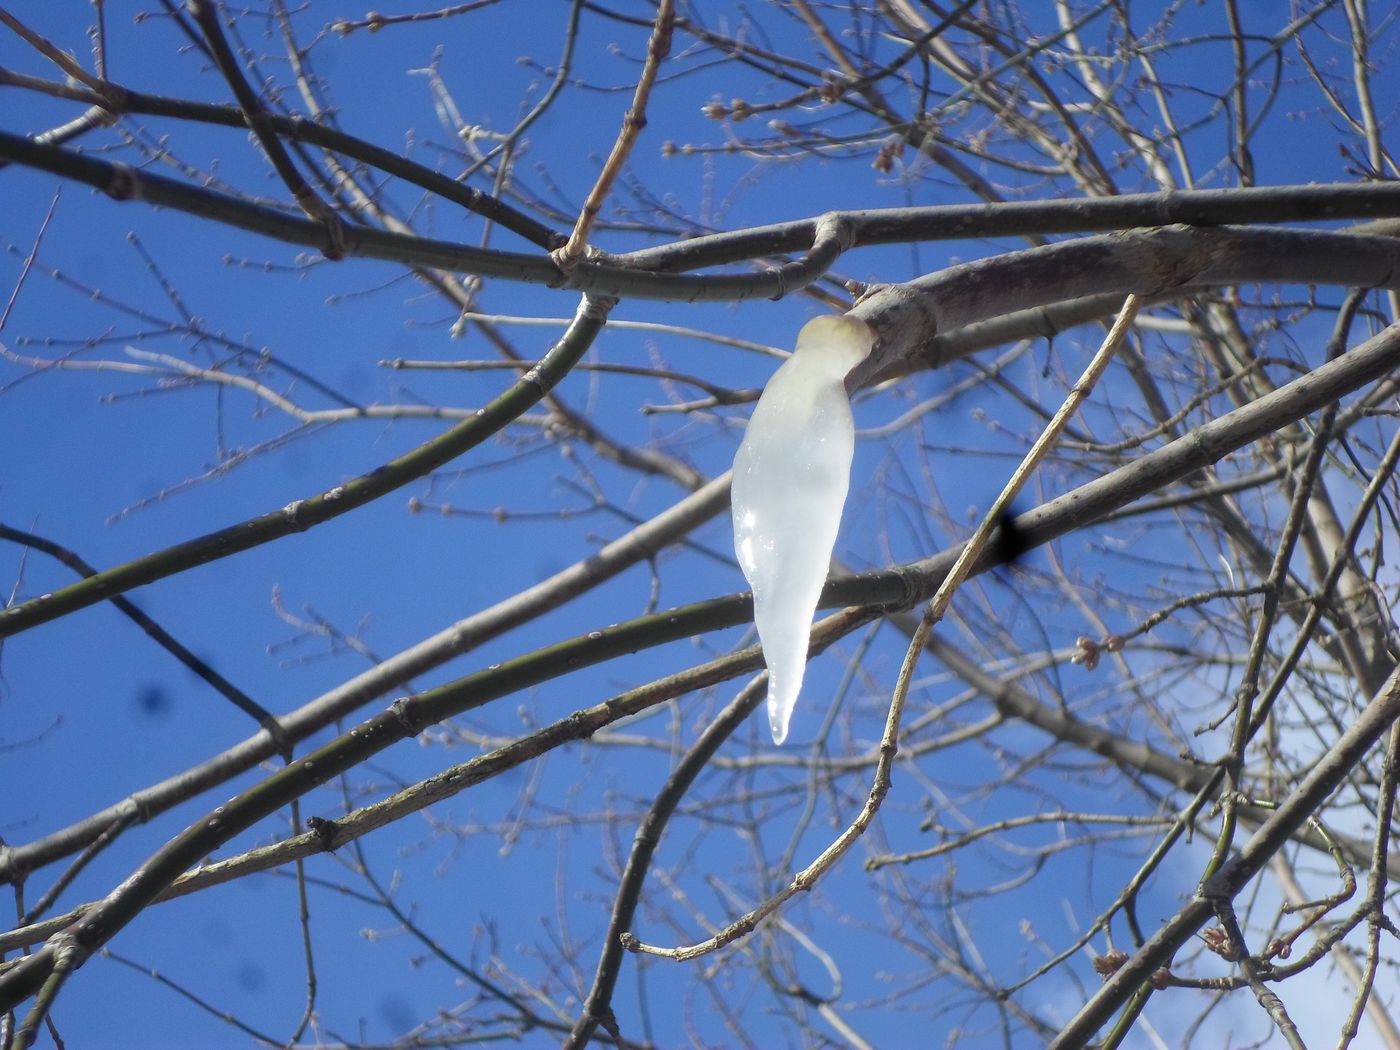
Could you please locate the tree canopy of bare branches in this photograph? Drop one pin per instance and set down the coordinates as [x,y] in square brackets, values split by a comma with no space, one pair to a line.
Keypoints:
[374,667]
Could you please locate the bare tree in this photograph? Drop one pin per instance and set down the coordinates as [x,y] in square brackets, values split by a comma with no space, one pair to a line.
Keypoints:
[1105,695]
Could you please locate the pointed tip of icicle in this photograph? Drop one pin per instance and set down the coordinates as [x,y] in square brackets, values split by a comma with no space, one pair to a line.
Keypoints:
[781,701]
[779,730]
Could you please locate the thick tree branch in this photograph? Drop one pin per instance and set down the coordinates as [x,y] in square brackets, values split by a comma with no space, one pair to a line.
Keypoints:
[652,273]
[909,317]
[125,183]
[1300,805]
[110,104]
[1152,263]
[303,514]
[1209,444]
[409,716]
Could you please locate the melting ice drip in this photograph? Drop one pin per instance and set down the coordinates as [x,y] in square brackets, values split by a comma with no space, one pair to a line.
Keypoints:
[791,474]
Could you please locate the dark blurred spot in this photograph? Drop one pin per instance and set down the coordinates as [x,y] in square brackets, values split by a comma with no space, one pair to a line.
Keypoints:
[250,976]
[396,1013]
[153,701]
[1009,543]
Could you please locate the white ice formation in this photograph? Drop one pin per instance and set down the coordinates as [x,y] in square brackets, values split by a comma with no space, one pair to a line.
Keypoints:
[791,474]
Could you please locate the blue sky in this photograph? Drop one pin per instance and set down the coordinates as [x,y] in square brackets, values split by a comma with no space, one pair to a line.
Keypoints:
[113,466]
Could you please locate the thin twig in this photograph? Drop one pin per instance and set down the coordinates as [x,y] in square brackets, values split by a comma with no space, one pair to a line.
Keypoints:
[254,113]
[302,514]
[155,631]
[970,555]
[1375,359]
[658,47]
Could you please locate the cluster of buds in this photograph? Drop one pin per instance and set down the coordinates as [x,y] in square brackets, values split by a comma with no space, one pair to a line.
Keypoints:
[1087,651]
[737,110]
[885,156]
[833,88]
[1109,963]
[1279,949]
[1218,940]
[374,22]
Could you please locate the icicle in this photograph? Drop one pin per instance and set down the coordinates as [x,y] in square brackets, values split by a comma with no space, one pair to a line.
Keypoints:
[790,479]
